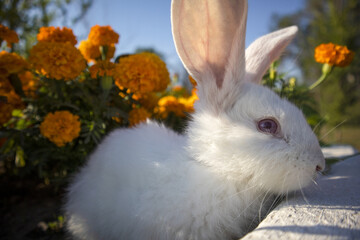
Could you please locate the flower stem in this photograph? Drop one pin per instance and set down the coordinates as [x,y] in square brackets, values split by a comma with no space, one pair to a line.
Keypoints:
[103,51]
[326,70]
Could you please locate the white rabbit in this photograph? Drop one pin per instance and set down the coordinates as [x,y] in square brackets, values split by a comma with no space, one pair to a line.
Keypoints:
[244,145]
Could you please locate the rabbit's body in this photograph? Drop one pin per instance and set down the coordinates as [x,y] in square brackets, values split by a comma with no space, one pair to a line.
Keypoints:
[167,196]
[244,145]
[164,193]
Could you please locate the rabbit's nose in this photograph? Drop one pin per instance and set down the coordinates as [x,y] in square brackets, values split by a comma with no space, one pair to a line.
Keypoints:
[319,168]
[321,163]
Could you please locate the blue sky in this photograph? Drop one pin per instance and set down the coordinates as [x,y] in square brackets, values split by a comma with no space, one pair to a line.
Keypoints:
[146,23]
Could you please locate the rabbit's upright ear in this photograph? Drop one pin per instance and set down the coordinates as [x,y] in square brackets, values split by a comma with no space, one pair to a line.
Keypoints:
[266,49]
[209,37]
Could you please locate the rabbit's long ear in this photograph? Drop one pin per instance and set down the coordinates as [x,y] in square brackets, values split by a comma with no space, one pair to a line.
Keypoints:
[209,37]
[266,49]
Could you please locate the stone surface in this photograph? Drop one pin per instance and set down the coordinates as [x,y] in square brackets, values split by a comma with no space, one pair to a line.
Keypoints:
[339,151]
[328,210]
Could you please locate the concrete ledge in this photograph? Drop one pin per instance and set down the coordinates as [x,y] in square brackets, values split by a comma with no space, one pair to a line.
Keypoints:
[330,210]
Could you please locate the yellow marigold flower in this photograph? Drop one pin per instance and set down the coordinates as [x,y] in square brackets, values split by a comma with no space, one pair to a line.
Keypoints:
[57,60]
[29,83]
[169,104]
[102,68]
[56,34]
[334,55]
[11,63]
[189,101]
[13,102]
[60,127]
[179,106]
[138,115]
[91,52]
[103,36]
[8,35]
[142,72]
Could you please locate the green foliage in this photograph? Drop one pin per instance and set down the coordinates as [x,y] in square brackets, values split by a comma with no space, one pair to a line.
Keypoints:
[27,16]
[35,154]
[324,21]
[100,105]
[300,95]
[56,225]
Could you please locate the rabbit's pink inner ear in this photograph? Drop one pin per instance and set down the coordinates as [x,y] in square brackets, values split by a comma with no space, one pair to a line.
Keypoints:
[204,33]
[266,49]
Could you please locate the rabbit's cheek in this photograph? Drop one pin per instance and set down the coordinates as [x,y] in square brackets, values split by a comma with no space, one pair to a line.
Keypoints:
[287,172]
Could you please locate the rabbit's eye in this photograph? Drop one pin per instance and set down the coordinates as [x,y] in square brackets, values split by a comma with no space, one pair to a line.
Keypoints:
[268,125]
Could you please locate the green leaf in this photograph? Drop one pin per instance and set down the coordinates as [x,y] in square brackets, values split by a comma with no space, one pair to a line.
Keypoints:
[19,157]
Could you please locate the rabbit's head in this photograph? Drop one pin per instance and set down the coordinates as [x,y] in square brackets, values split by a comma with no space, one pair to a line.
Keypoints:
[241,129]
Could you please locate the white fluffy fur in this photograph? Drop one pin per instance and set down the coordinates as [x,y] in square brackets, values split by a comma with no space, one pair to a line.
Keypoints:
[142,184]
[213,182]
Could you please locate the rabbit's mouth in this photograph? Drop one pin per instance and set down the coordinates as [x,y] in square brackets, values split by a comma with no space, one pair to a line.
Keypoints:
[285,179]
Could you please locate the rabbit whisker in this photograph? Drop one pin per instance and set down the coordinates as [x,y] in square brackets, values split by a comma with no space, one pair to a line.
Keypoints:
[302,192]
[260,208]
[315,182]
[262,203]
[318,124]
[331,130]
[252,202]
[234,195]
[253,219]
[282,186]
[292,64]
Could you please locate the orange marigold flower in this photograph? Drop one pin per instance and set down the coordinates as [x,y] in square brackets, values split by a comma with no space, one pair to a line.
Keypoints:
[60,127]
[5,86]
[11,63]
[334,55]
[91,52]
[142,72]
[102,68]
[138,115]
[147,100]
[5,112]
[57,60]
[169,104]
[56,34]
[103,35]
[8,35]
[29,83]
[6,107]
